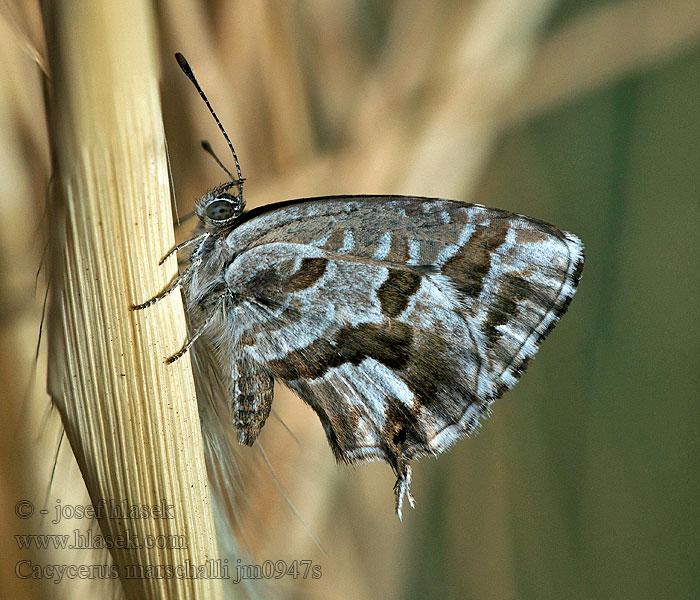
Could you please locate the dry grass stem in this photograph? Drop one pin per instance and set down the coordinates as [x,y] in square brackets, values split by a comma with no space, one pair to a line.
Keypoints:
[131,420]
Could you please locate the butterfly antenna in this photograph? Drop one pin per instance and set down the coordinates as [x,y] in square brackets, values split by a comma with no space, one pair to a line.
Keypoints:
[187,70]
[209,150]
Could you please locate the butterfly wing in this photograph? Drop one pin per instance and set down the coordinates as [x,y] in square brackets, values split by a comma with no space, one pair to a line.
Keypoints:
[397,319]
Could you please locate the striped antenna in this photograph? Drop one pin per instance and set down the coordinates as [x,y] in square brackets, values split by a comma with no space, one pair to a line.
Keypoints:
[187,70]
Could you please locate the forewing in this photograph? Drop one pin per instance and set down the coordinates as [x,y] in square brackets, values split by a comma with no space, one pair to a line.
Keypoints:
[514,276]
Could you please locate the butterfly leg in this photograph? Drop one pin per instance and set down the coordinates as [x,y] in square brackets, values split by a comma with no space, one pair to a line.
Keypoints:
[180,246]
[210,319]
[172,286]
[196,260]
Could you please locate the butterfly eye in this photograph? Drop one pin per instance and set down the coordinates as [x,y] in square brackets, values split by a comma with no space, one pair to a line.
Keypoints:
[223,208]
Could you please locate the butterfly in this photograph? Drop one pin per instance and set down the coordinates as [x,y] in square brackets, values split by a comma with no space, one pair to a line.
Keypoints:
[398,319]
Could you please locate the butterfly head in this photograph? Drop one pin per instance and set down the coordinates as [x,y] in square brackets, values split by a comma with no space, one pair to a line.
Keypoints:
[219,208]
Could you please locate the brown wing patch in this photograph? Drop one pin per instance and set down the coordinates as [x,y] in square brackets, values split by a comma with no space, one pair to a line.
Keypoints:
[335,241]
[398,253]
[396,291]
[309,272]
[513,290]
[389,345]
[470,266]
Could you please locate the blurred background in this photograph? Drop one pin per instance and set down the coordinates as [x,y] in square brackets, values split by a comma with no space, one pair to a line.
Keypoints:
[584,483]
